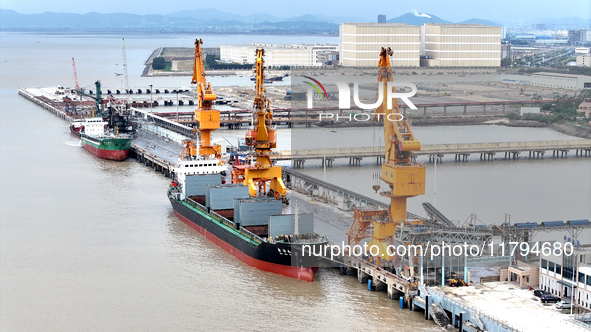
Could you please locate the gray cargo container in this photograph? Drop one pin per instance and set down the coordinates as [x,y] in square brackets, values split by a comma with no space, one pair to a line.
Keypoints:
[197,184]
[221,197]
[255,211]
[285,224]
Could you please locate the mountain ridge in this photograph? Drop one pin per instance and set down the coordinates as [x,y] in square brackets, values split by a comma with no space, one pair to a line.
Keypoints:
[214,20]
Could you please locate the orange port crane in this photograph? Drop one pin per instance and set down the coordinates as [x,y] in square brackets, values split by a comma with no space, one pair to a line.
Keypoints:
[405,178]
[263,138]
[207,117]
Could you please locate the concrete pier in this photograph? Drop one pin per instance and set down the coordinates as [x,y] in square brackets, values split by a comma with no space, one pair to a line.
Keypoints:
[462,152]
[45,103]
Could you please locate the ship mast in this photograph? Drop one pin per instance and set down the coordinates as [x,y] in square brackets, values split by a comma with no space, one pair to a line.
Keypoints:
[262,137]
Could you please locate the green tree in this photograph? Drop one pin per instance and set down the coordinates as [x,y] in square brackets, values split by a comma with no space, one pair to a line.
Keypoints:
[158,63]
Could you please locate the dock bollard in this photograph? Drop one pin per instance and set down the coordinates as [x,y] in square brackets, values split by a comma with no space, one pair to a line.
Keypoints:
[401,302]
[369,285]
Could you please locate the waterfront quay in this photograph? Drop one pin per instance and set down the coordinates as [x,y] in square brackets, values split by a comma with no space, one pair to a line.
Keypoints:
[496,306]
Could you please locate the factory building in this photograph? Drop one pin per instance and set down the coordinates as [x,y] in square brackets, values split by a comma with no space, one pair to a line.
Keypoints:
[461,45]
[563,81]
[360,44]
[288,55]
[584,60]
[568,276]
[431,45]
[577,37]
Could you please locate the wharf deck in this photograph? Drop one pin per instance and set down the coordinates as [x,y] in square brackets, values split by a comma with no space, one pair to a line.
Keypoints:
[502,305]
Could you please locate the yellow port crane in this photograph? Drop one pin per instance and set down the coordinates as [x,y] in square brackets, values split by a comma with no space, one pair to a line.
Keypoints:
[404,177]
[207,117]
[263,138]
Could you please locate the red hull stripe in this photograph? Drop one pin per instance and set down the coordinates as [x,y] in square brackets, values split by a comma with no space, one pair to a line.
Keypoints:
[303,273]
[117,155]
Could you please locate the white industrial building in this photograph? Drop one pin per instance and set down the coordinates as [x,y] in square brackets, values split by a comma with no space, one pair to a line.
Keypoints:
[584,60]
[288,55]
[568,276]
[360,44]
[563,81]
[461,45]
[432,45]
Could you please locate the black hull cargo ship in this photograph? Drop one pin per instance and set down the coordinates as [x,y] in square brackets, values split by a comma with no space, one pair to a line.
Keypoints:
[254,230]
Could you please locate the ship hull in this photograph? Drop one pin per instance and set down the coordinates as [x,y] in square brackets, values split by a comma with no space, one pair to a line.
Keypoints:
[270,257]
[107,148]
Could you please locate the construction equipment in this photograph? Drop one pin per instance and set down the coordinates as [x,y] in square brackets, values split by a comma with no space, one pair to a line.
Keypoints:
[455,281]
[262,136]
[404,178]
[207,118]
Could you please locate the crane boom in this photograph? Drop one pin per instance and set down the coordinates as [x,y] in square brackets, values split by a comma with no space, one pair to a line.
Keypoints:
[75,75]
[125,76]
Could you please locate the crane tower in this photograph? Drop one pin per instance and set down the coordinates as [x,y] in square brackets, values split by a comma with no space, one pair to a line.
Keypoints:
[404,178]
[263,138]
[207,117]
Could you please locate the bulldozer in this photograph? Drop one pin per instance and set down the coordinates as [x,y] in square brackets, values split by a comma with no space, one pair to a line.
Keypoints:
[455,281]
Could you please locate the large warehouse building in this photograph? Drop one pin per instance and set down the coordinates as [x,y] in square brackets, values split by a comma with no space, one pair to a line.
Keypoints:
[461,45]
[360,44]
[437,45]
[563,81]
[288,55]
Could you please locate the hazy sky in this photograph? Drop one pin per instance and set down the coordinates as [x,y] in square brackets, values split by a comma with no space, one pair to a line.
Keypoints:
[502,11]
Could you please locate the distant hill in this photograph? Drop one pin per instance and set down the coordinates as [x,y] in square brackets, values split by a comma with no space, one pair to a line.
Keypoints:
[210,14]
[567,21]
[416,18]
[215,21]
[479,21]
[211,21]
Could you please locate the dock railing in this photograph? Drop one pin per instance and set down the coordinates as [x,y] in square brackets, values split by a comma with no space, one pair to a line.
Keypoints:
[251,235]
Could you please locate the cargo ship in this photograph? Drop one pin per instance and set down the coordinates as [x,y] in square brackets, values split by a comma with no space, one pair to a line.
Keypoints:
[253,229]
[106,137]
[230,204]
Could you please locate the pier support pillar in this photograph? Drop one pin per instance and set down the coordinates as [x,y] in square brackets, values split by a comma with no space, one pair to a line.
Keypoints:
[393,293]
[362,277]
